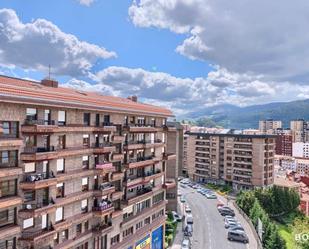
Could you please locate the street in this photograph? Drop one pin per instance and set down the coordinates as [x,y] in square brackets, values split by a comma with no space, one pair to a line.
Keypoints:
[208,227]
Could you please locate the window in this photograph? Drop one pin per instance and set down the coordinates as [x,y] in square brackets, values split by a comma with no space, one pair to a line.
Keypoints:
[85,184]
[30,141]
[78,229]
[61,117]
[61,142]
[87,119]
[97,119]
[10,129]
[59,214]
[84,206]
[44,221]
[127,232]
[28,223]
[60,165]
[106,120]
[139,225]
[147,221]
[115,240]
[8,244]
[47,117]
[29,167]
[64,235]
[60,190]
[86,140]
[4,217]
[86,225]
[85,162]
[31,114]
[8,158]
[8,188]
[29,195]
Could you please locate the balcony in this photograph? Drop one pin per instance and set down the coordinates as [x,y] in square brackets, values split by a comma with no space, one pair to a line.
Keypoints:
[103,208]
[52,126]
[118,139]
[143,179]
[117,195]
[9,231]
[47,153]
[170,183]
[37,237]
[106,167]
[116,176]
[118,157]
[101,148]
[38,181]
[140,195]
[142,161]
[102,228]
[134,145]
[104,189]
[142,128]
[6,202]
[73,220]
[10,142]
[74,197]
[169,156]
[10,171]
[37,209]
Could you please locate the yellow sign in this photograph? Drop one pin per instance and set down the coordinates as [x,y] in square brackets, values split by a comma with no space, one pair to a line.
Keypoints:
[144,244]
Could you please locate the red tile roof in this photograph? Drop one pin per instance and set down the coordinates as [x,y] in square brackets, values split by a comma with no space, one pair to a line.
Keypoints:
[32,92]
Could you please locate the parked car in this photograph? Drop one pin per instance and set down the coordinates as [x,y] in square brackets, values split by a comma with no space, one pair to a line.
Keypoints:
[182,199]
[225,211]
[186,244]
[237,227]
[189,219]
[188,230]
[238,236]
[176,216]
[211,196]
[183,185]
[188,210]
[230,223]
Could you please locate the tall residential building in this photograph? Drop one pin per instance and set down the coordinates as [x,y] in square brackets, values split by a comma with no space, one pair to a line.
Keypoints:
[174,150]
[81,170]
[269,125]
[300,149]
[299,130]
[245,161]
[284,145]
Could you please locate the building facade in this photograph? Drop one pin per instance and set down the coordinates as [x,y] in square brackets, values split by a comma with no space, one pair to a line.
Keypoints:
[284,144]
[80,170]
[244,161]
[300,149]
[269,125]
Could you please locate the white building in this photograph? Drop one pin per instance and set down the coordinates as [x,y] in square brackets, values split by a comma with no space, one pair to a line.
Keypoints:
[300,149]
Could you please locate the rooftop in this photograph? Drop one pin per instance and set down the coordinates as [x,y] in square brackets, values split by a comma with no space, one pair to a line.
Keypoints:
[32,92]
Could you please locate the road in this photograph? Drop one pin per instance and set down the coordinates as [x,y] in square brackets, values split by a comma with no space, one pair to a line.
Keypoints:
[208,227]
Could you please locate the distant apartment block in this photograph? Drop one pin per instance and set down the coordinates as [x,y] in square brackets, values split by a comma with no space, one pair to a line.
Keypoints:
[284,145]
[300,149]
[245,161]
[299,130]
[81,170]
[269,125]
[296,164]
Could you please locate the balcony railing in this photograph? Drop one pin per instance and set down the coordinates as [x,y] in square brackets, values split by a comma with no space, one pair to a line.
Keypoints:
[38,176]
[140,159]
[101,145]
[102,206]
[105,186]
[32,206]
[106,166]
[40,122]
[34,149]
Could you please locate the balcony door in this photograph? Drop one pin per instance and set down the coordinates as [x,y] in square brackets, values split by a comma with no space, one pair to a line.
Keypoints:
[47,117]
[44,221]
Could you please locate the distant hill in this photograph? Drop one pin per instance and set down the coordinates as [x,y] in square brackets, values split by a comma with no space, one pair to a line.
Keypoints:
[230,116]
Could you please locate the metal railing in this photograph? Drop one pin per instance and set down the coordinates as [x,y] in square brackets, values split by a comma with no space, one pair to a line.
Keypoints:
[35,149]
[38,176]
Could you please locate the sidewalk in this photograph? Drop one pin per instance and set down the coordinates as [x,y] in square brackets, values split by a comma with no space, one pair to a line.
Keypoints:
[179,233]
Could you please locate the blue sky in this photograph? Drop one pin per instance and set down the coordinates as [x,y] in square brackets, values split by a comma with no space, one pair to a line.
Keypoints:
[106,23]
[186,55]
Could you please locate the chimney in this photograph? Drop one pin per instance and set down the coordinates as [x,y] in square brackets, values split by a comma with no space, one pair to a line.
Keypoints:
[49,83]
[133,98]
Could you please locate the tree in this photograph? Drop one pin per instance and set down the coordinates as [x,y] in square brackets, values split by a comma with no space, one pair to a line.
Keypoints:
[274,241]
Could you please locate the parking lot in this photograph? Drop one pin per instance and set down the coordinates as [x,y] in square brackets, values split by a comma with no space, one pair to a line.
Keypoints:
[209,230]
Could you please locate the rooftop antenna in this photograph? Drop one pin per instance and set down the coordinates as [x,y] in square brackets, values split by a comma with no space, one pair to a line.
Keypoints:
[49,71]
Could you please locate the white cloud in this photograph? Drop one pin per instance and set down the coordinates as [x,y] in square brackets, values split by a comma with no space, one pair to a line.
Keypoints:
[263,37]
[86,2]
[185,95]
[35,45]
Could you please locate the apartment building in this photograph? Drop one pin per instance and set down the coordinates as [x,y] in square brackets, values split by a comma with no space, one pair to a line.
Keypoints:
[284,144]
[174,150]
[245,161]
[269,125]
[81,170]
[299,130]
[300,149]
